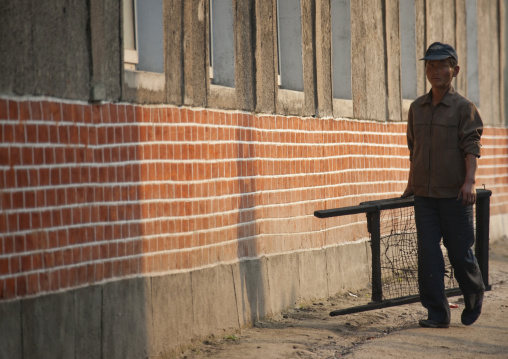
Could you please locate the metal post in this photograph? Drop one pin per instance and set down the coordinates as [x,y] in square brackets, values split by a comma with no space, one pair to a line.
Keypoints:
[482,237]
[373,223]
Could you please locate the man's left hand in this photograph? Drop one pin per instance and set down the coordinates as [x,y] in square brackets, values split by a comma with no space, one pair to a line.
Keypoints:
[467,194]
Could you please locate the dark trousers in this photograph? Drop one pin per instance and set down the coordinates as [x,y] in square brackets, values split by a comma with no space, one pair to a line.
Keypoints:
[445,218]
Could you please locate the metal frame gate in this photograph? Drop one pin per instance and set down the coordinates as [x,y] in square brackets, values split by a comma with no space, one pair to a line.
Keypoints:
[373,211]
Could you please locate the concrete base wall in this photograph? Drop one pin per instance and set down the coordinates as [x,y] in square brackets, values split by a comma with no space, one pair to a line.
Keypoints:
[498,227]
[157,316]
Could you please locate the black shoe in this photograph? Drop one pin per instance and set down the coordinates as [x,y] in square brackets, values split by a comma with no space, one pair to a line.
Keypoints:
[468,317]
[429,323]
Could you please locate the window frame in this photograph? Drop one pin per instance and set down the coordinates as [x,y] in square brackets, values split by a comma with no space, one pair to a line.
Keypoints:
[472,57]
[280,84]
[408,92]
[210,40]
[224,74]
[134,77]
[131,56]
[342,107]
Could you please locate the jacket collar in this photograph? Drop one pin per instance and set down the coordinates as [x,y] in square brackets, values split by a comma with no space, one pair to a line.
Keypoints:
[447,99]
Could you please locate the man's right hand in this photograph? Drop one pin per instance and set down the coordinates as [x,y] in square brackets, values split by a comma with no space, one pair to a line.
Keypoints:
[409,188]
[407,192]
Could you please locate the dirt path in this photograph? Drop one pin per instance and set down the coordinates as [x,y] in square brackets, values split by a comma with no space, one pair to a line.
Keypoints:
[309,332]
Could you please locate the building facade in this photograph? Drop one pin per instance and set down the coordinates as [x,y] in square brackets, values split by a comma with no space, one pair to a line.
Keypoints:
[161,160]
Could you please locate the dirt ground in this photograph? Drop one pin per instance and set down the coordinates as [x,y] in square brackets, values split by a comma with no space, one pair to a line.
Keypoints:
[308,331]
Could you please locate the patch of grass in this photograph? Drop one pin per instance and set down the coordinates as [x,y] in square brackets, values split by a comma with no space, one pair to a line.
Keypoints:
[231,337]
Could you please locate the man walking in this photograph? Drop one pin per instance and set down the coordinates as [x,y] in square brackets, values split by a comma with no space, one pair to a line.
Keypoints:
[443,136]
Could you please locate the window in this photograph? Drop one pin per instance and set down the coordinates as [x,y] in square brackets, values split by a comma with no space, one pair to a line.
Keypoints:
[289,41]
[143,35]
[222,45]
[129,35]
[473,87]
[341,49]
[408,49]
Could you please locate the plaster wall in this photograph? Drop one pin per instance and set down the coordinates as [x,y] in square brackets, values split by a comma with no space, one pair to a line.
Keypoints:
[157,316]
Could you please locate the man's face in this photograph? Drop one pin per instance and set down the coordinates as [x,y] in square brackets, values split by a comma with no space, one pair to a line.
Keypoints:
[440,73]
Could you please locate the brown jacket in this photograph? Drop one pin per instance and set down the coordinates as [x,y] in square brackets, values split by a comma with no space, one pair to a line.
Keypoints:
[438,139]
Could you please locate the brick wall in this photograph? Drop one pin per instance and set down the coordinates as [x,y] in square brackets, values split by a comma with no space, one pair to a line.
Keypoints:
[493,168]
[92,193]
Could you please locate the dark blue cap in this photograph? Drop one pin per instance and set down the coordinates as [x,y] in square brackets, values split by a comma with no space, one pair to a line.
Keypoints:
[439,51]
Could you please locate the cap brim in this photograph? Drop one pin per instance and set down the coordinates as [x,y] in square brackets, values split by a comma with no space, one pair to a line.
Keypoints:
[436,57]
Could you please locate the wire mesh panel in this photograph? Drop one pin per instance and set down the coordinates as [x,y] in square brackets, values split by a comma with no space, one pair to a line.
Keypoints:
[399,255]
[394,247]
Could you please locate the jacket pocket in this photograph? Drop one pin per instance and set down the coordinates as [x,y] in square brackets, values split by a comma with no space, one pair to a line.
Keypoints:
[445,132]
[448,169]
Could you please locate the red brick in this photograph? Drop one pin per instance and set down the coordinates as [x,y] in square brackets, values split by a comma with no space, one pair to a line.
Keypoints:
[81,275]
[48,260]
[91,253]
[86,254]
[15,264]
[108,233]
[21,286]
[76,251]
[87,114]
[96,115]
[74,136]
[95,213]
[135,265]
[44,282]
[145,115]
[129,113]
[67,113]
[98,272]
[137,114]
[43,113]
[117,269]
[103,251]
[114,112]
[19,244]
[4,157]
[27,156]
[36,240]
[89,273]
[22,178]
[65,278]
[108,270]
[60,153]
[137,245]
[8,200]
[64,134]
[13,110]
[53,134]
[126,267]
[78,113]
[55,280]
[32,284]
[67,257]
[15,158]
[3,225]
[30,133]
[105,113]
[62,236]
[55,109]
[26,263]
[9,288]
[4,266]
[4,109]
